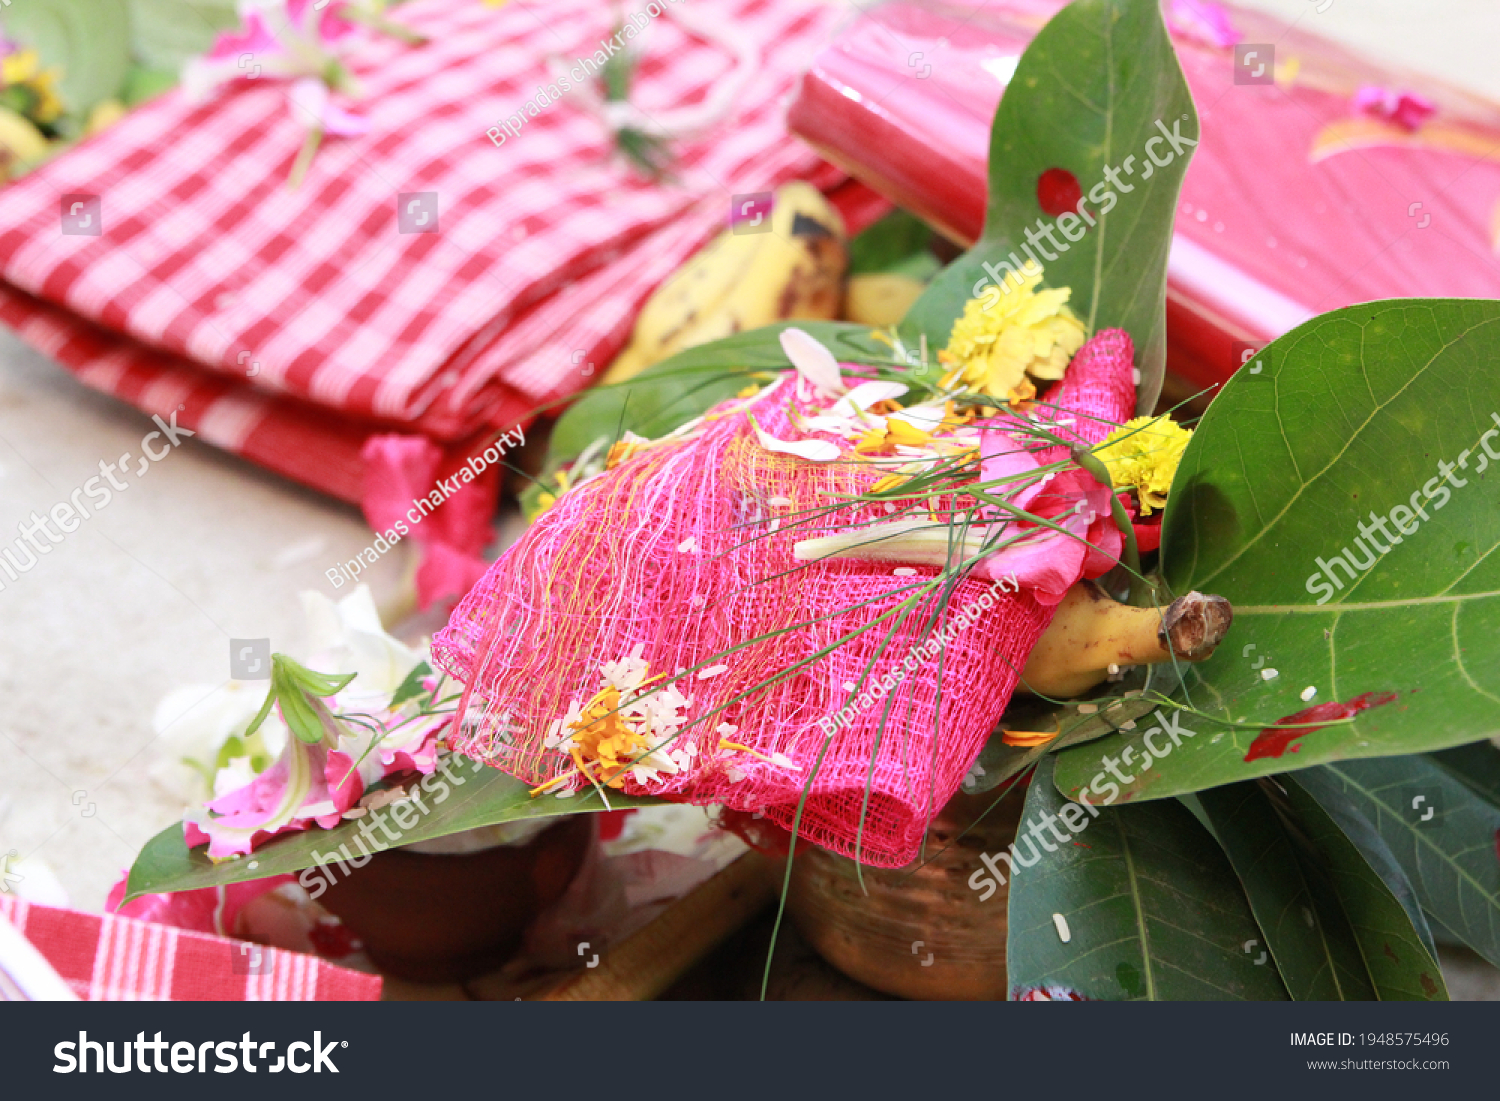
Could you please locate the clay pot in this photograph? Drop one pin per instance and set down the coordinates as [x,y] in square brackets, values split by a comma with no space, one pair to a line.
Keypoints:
[438,917]
[921,932]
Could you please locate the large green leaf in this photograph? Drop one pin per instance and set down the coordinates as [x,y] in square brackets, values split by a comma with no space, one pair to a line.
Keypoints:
[1305,929]
[88,40]
[1350,413]
[1441,832]
[1376,897]
[168,32]
[1152,909]
[677,389]
[478,796]
[1087,97]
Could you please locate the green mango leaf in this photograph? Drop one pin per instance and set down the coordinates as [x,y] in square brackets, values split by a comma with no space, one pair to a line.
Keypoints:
[1376,896]
[1441,832]
[1348,415]
[1475,766]
[1097,92]
[461,795]
[679,388]
[1152,909]
[87,40]
[1339,914]
[1305,929]
[165,33]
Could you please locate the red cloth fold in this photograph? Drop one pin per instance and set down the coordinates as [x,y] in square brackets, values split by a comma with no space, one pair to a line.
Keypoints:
[292,327]
[106,958]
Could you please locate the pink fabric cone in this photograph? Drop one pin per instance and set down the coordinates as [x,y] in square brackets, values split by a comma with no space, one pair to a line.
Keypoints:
[675,551]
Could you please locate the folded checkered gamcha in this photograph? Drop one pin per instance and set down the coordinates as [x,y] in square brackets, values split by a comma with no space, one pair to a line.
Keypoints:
[291,326]
[108,958]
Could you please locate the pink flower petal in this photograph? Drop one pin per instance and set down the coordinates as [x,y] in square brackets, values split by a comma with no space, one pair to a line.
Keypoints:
[1408,110]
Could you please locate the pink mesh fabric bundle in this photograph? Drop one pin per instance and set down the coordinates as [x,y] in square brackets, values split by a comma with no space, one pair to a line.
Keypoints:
[681,558]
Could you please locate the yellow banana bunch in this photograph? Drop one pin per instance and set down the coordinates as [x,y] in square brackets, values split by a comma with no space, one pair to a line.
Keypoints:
[738,281]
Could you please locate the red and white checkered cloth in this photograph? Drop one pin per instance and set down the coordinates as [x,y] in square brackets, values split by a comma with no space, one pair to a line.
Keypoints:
[106,958]
[208,267]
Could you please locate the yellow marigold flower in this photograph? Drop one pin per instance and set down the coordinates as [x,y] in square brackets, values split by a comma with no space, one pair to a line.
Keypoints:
[1143,455]
[1004,335]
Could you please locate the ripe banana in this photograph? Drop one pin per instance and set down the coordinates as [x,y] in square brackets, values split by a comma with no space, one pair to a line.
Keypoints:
[881,299]
[738,281]
[1091,631]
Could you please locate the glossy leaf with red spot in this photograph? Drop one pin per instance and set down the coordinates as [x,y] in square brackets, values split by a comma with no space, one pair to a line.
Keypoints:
[1353,417]
[1096,92]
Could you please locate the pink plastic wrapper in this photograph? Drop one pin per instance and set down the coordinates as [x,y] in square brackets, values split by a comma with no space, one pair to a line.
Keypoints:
[1338,182]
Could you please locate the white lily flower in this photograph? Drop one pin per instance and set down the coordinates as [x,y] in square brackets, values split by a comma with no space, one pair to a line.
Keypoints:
[347,637]
[192,725]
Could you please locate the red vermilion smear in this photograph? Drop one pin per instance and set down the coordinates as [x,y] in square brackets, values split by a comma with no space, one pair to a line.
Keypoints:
[1058,192]
[332,939]
[1273,741]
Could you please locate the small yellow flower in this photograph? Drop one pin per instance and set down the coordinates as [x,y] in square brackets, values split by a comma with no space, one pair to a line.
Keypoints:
[1143,455]
[24,69]
[1005,335]
[18,67]
[603,739]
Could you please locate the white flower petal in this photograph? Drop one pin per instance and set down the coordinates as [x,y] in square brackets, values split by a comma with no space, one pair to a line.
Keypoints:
[865,395]
[814,362]
[818,451]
